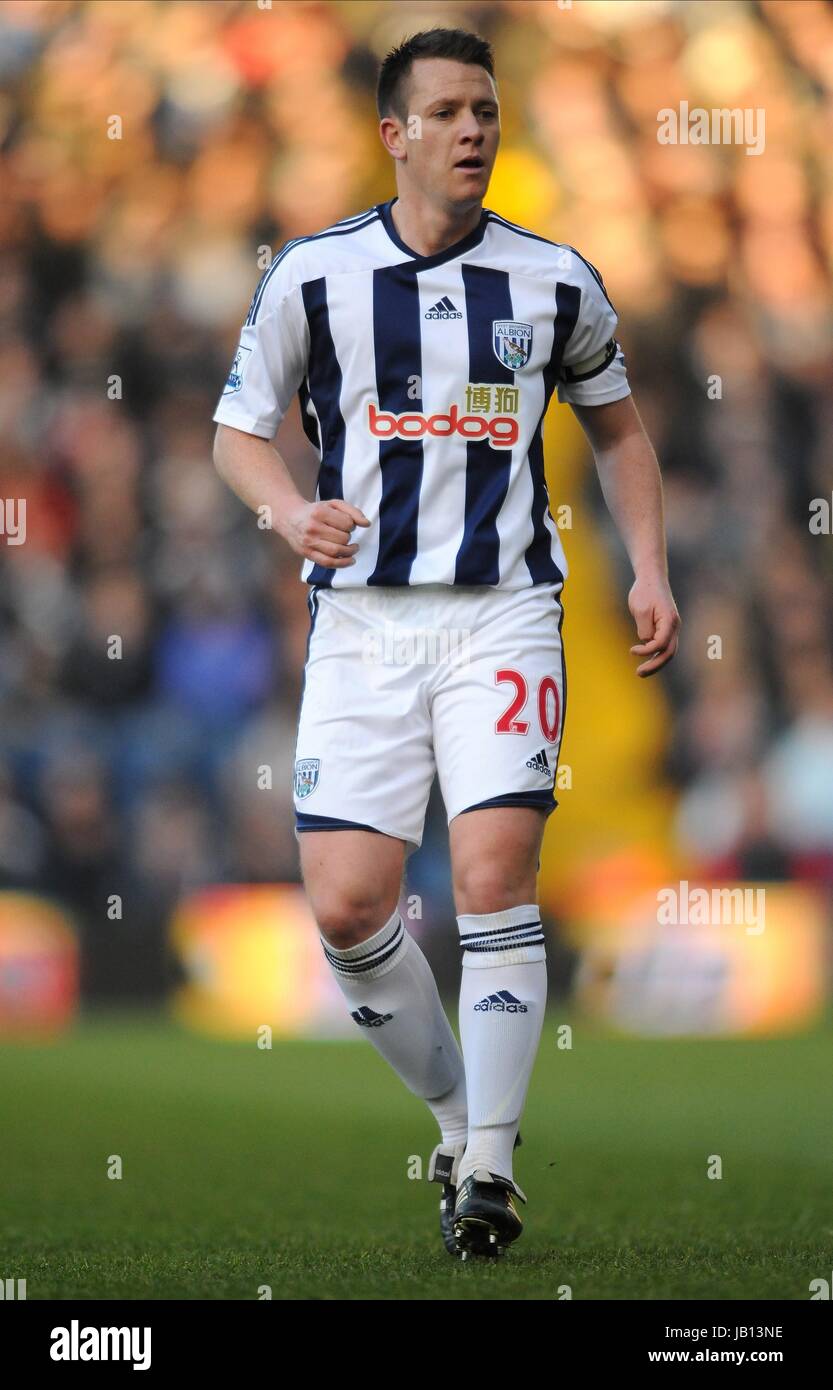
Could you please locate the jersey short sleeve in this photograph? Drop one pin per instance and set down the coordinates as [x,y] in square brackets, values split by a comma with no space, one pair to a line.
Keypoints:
[593,365]
[271,358]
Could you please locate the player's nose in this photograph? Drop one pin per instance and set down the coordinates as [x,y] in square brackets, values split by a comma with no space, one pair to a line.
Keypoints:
[471,131]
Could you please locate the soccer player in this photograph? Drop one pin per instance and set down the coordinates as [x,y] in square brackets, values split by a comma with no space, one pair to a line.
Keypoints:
[424,338]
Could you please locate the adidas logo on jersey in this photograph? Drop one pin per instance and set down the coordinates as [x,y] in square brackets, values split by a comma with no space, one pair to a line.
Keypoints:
[540,763]
[443,309]
[368,1018]
[501,1003]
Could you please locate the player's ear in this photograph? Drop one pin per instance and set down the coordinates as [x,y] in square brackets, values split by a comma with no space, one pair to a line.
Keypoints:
[392,136]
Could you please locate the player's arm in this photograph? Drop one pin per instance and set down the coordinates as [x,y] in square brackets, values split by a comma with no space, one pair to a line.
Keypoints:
[268,368]
[632,488]
[255,471]
[593,381]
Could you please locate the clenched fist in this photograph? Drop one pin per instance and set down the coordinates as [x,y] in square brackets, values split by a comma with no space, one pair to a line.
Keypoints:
[320,531]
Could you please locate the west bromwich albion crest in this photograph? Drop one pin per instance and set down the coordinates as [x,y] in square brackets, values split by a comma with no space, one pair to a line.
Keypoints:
[306,776]
[512,342]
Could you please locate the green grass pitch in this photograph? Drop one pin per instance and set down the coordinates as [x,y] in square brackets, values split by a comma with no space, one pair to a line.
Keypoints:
[290,1168]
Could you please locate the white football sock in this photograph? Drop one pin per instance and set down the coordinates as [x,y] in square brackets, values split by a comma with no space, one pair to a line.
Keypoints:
[393,996]
[503,994]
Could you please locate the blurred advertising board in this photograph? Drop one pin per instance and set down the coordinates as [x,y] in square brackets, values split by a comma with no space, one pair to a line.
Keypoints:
[253,960]
[38,966]
[705,959]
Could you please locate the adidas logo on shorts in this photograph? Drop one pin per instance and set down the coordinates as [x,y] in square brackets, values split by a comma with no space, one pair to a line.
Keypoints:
[368,1018]
[501,1003]
[540,763]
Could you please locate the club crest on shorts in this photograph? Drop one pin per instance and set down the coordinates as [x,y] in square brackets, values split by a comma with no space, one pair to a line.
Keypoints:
[512,342]
[306,776]
[238,366]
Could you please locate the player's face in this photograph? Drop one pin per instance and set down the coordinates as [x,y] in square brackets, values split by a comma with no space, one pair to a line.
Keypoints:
[451,148]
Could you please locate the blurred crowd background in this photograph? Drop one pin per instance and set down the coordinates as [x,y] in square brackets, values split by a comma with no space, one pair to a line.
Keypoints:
[126,268]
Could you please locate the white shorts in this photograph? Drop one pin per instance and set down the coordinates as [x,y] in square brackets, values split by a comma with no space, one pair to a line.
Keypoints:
[402,683]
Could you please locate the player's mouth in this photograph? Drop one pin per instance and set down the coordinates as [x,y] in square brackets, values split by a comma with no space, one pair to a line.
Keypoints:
[472,161]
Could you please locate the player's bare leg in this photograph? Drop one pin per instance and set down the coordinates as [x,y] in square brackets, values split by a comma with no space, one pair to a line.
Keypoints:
[353,879]
[503,993]
[494,857]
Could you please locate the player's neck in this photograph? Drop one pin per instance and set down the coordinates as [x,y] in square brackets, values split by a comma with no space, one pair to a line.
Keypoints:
[429,229]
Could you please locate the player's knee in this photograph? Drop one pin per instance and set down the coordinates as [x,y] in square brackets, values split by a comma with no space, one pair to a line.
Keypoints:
[489,887]
[347,919]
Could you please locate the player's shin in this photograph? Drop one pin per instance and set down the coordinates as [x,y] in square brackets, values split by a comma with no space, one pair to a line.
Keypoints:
[393,998]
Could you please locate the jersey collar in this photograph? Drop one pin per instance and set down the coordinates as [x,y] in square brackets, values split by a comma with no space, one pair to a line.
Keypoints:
[473,238]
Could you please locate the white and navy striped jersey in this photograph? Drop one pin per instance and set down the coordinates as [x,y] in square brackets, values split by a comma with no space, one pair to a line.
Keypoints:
[423,383]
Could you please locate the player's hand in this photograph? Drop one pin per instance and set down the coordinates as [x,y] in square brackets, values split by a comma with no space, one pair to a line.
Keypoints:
[320,531]
[657,622]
